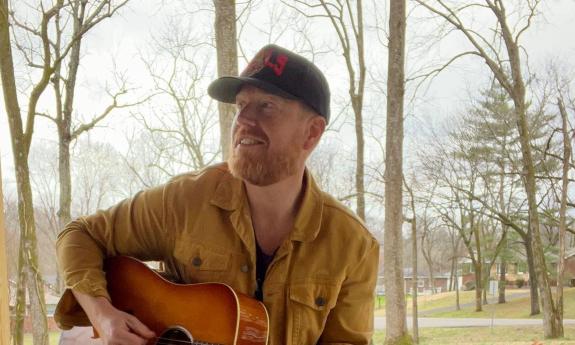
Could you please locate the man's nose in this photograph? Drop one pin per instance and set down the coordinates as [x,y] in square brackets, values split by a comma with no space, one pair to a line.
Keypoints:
[246,116]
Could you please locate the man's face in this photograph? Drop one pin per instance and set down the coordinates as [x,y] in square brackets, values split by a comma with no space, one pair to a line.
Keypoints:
[268,136]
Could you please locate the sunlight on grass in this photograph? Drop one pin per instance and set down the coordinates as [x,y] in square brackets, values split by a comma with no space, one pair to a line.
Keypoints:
[54,338]
[518,308]
[486,336]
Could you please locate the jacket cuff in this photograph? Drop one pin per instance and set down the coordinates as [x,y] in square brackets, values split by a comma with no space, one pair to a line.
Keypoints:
[69,312]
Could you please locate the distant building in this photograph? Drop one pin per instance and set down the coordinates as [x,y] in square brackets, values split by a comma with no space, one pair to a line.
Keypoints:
[440,283]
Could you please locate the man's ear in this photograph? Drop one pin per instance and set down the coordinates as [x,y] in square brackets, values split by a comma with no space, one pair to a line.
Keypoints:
[316,127]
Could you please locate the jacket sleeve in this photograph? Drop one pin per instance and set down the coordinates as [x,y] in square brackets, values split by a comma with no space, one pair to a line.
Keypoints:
[134,227]
[351,320]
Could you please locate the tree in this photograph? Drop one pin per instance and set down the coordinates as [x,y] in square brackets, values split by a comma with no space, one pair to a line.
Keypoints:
[179,118]
[21,138]
[507,71]
[49,34]
[227,52]
[567,149]
[396,327]
[414,272]
[347,22]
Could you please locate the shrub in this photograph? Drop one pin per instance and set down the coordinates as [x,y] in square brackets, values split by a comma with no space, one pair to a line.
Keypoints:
[470,285]
[519,282]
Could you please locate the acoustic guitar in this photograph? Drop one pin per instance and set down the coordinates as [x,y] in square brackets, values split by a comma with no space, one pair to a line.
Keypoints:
[207,313]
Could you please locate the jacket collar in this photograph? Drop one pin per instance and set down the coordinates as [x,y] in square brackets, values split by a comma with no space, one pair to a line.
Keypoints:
[230,195]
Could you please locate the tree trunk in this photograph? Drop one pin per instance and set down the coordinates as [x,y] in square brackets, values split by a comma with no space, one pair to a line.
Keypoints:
[550,327]
[31,270]
[359,167]
[20,307]
[414,272]
[452,275]
[502,280]
[415,275]
[396,326]
[478,289]
[20,149]
[533,284]
[456,285]
[227,55]
[431,276]
[562,214]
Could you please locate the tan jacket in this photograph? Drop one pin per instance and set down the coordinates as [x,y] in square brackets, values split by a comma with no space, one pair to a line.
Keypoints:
[319,287]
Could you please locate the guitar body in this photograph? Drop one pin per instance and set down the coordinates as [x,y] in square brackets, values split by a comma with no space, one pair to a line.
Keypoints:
[208,313]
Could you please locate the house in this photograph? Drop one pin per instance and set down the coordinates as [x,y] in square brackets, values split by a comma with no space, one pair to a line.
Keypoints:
[569,267]
[440,283]
[516,273]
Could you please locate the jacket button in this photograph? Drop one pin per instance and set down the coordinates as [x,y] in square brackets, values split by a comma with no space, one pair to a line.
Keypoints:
[245,268]
[320,301]
[197,261]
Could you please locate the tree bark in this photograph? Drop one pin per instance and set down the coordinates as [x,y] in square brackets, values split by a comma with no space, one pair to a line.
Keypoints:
[478,288]
[533,284]
[429,262]
[415,275]
[227,55]
[414,271]
[396,326]
[456,285]
[562,214]
[502,280]
[30,275]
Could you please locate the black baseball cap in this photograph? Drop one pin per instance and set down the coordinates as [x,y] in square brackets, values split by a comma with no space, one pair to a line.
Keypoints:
[279,71]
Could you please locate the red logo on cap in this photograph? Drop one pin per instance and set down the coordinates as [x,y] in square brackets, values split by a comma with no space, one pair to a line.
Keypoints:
[266,58]
[277,66]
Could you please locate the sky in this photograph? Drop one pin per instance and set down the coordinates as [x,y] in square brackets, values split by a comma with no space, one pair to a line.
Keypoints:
[126,39]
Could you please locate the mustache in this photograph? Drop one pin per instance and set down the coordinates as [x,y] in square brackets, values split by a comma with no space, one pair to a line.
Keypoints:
[252,133]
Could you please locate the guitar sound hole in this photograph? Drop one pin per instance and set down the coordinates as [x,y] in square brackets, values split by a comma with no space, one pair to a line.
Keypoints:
[175,336]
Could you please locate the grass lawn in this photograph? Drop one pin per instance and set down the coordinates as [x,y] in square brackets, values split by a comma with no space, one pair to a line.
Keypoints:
[470,336]
[486,336]
[54,338]
[428,302]
[516,309]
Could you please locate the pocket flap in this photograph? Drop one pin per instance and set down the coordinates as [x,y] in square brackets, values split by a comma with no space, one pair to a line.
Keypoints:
[202,258]
[313,295]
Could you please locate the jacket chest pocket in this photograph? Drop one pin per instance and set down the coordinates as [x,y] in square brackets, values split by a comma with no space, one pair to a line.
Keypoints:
[202,263]
[309,306]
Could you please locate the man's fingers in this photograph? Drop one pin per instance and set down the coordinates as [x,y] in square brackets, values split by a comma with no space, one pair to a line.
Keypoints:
[130,338]
[139,328]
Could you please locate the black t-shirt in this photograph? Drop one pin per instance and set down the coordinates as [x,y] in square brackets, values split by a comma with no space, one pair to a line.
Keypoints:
[262,262]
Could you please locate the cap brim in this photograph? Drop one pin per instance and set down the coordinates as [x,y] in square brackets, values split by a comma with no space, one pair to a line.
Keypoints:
[225,89]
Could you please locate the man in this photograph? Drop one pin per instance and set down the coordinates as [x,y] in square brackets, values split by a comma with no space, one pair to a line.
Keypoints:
[259,223]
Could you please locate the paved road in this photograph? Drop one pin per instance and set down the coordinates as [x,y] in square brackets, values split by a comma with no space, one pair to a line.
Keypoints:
[472,322]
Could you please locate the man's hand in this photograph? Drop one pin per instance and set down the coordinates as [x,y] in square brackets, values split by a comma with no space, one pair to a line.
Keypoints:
[114,326]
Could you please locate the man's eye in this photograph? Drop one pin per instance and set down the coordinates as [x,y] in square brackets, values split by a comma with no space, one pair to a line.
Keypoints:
[267,105]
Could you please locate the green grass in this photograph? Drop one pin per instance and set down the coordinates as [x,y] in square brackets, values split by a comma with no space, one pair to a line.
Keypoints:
[525,335]
[518,308]
[515,309]
[486,336]
[54,338]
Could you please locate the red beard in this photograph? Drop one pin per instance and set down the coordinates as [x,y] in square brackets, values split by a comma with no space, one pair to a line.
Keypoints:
[263,169]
